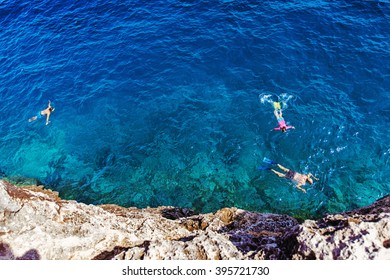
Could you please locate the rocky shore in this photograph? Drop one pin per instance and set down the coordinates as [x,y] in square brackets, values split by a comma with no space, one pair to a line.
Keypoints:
[35,223]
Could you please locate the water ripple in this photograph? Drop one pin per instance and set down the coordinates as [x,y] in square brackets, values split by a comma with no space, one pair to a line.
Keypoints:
[167,93]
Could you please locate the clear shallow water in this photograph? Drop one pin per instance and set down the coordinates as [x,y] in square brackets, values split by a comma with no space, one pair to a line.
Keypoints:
[159,102]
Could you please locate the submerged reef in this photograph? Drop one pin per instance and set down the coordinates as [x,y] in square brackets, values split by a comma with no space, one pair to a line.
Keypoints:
[35,223]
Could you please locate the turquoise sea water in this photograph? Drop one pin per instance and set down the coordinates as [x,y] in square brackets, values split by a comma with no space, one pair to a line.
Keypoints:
[167,102]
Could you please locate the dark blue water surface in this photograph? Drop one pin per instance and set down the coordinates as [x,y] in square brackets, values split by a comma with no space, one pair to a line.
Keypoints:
[167,102]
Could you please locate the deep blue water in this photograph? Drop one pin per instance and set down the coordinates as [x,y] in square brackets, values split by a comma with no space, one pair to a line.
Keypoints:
[165,102]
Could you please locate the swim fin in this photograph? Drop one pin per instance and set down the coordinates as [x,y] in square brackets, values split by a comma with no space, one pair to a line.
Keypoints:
[277,106]
[269,161]
[263,168]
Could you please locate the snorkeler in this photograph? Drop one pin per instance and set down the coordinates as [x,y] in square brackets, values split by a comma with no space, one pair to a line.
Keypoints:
[299,179]
[47,112]
[279,117]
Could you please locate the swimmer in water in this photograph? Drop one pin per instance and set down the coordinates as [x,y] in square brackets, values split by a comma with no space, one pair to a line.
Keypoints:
[47,112]
[282,126]
[298,178]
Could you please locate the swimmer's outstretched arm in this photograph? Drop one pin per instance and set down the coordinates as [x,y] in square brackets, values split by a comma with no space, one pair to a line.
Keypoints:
[300,188]
[47,119]
[308,175]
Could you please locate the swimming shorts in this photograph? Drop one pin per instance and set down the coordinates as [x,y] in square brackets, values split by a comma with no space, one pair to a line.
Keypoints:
[39,115]
[290,175]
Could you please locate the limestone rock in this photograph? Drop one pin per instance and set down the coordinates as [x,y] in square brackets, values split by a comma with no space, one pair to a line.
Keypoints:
[37,224]
[359,234]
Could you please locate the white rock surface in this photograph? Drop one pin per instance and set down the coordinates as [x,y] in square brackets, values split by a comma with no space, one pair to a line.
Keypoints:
[36,224]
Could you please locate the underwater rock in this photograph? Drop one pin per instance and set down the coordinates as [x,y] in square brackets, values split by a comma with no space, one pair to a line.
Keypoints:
[35,223]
